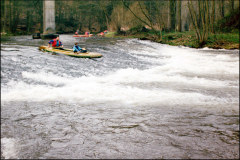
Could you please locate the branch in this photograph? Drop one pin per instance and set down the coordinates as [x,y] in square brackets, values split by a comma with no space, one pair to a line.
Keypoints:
[145,13]
[136,15]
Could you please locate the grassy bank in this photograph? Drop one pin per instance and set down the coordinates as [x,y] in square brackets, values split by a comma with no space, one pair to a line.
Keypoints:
[188,38]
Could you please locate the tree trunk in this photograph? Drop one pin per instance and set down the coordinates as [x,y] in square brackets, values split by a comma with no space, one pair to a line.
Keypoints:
[150,24]
[172,7]
[194,20]
[105,13]
[221,8]
[213,17]
[179,17]
[206,19]
[199,13]
[90,20]
[10,16]
[5,16]
[201,33]
[232,6]
[28,21]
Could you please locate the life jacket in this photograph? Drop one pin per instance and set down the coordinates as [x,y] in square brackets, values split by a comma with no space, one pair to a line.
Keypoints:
[101,33]
[76,33]
[55,43]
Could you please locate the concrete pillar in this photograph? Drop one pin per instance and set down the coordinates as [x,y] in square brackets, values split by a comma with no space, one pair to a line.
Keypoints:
[49,17]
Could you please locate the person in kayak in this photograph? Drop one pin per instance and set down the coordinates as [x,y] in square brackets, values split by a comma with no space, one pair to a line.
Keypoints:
[87,33]
[76,33]
[77,49]
[38,33]
[105,32]
[55,43]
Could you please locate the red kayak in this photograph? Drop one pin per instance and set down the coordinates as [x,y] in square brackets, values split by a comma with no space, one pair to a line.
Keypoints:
[90,35]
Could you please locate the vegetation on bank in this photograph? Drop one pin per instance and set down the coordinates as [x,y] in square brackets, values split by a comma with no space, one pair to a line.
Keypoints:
[223,35]
[186,38]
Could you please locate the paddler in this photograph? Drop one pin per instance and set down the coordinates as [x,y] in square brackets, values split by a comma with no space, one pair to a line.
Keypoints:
[55,43]
[76,33]
[105,32]
[87,33]
[77,49]
[38,33]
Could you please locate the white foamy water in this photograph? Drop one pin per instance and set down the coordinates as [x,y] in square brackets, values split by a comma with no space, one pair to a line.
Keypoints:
[9,148]
[140,100]
[179,71]
[119,87]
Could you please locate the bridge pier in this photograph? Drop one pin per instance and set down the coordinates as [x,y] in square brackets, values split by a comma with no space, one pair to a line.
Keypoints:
[49,20]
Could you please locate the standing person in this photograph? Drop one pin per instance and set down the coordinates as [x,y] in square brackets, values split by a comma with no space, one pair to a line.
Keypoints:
[77,49]
[55,43]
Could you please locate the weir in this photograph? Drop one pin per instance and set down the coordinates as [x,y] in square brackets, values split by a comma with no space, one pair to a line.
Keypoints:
[49,20]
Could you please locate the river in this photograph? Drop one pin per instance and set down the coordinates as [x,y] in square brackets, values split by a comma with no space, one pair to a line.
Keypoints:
[140,100]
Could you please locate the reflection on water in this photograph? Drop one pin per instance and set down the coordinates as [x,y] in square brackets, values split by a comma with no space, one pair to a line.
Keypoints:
[140,100]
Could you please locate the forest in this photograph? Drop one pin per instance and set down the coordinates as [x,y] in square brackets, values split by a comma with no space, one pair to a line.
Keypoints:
[200,17]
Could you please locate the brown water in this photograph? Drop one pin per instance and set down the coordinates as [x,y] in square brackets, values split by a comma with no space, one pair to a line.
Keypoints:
[140,100]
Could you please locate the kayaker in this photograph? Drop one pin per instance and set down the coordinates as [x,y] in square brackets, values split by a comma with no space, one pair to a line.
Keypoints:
[105,31]
[55,43]
[86,33]
[38,33]
[77,49]
[76,33]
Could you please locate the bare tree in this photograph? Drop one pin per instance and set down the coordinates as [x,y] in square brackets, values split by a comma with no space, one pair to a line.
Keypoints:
[201,32]
[232,5]
[221,7]
[148,21]
[5,16]
[179,16]
[199,14]
[172,14]
[14,15]
[106,8]
[116,17]
[213,17]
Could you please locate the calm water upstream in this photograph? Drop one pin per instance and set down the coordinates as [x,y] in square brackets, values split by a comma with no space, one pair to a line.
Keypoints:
[140,100]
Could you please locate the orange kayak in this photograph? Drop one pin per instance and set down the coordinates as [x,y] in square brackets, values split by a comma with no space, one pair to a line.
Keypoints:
[90,35]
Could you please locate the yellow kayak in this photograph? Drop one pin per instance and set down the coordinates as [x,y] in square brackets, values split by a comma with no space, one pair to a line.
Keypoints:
[69,52]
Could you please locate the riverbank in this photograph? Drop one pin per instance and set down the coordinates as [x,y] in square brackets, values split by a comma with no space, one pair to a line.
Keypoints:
[187,38]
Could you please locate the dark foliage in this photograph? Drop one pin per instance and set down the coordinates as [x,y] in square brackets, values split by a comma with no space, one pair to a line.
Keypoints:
[230,22]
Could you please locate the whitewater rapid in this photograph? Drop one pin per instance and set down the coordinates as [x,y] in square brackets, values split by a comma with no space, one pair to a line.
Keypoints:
[133,76]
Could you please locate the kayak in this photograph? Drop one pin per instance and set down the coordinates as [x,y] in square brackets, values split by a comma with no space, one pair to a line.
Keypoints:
[90,35]
[36,37]
[69,52]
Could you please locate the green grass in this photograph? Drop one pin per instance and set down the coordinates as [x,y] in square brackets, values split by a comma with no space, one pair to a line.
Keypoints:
[230,37]
[110,34]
